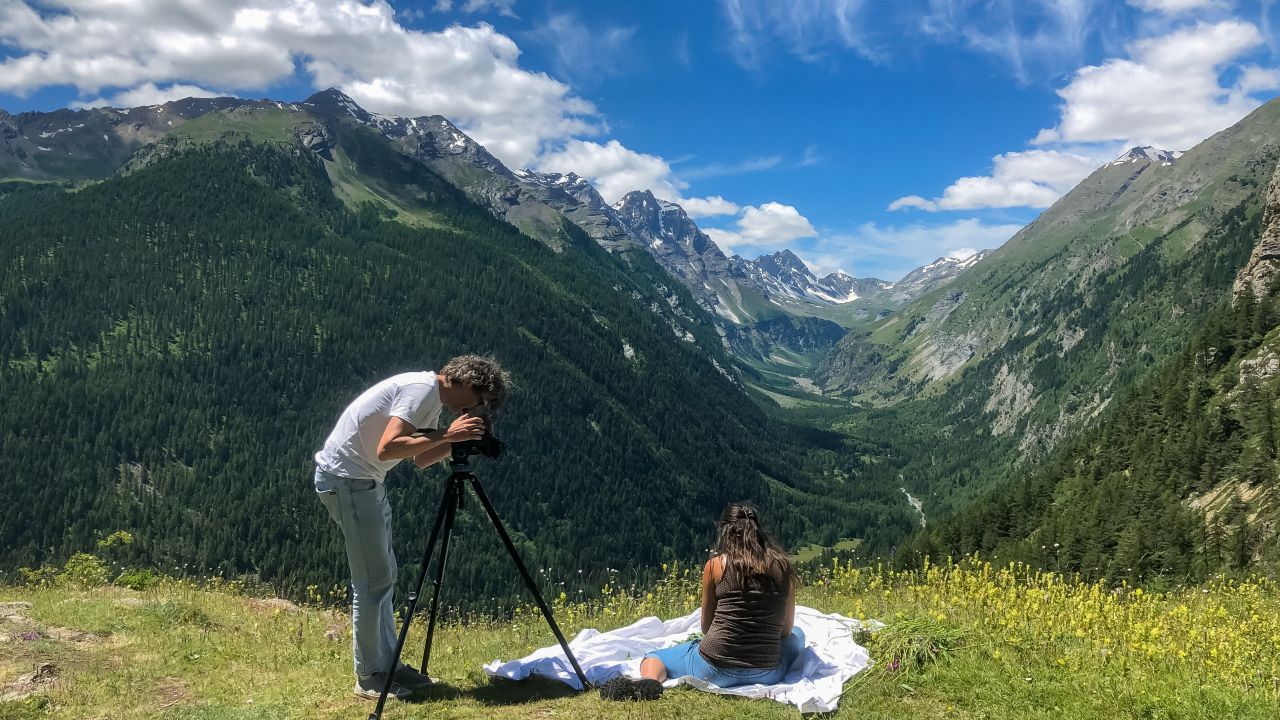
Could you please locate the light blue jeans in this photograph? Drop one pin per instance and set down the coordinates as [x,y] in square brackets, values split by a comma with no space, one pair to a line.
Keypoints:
[684,660]
[360,508]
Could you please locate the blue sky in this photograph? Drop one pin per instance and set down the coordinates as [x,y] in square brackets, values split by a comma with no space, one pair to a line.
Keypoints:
[867,136]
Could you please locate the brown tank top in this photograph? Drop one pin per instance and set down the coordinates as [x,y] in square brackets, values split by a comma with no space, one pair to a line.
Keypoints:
[746,631]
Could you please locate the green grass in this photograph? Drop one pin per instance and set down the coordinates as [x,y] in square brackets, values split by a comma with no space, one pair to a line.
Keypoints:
[261,124]
[968,643]
[809,553]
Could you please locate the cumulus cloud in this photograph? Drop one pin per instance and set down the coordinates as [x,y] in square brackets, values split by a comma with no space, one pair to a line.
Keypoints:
[471,75]
[898,249]
[147,94]
[769,225]
[711,206]
[613,168]
[1034,178]
[1168,93]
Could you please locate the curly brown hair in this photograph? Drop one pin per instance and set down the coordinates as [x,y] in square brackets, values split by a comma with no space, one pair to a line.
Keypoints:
[483,373]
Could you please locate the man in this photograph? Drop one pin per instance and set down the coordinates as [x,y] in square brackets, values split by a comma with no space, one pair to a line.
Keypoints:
[377,430]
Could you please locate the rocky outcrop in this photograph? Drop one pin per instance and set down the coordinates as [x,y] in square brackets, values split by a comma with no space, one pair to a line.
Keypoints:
[1264,264]
[797,334]
[316,137]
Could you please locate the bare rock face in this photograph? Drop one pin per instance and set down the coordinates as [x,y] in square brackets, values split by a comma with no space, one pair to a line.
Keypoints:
[316,137]
[1264,263]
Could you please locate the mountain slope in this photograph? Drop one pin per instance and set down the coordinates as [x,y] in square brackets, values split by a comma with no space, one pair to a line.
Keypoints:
[190,329]
[1180,479]
[1083,299]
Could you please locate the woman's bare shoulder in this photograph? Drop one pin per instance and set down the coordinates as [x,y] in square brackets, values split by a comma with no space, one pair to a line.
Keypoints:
[714,567]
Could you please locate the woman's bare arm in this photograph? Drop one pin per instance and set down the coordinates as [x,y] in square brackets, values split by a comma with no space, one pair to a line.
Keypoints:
[710,576]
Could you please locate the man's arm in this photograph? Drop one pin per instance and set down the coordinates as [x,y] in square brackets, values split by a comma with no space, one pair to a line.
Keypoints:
[398,440]
[432,456]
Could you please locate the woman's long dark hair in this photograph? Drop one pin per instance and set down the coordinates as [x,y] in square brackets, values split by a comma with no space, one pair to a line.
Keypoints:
[753,560]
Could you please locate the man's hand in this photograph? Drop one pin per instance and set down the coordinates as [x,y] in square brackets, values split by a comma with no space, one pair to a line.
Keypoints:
[467,427]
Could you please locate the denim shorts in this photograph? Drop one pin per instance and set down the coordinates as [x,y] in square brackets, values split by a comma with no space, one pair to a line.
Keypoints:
[684,660]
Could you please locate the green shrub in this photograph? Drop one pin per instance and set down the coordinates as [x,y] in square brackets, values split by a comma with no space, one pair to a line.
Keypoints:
[179,613]
[138,578]
[43,576]
[83,572]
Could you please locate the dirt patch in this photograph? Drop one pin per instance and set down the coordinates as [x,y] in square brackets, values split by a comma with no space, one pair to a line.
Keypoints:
[171,691]
[40,677]
[14,611]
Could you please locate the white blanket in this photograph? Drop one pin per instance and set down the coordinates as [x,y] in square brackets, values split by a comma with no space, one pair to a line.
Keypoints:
[813,685]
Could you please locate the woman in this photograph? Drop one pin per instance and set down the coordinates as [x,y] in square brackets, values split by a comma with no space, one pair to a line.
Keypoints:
[748,607]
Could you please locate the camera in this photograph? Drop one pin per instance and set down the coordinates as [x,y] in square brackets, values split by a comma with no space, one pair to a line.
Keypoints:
[486,444]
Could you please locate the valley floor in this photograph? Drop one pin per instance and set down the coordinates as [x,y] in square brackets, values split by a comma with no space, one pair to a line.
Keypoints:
[966,641]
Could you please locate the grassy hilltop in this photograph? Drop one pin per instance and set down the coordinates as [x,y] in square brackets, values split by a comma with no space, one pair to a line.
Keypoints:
[962,641]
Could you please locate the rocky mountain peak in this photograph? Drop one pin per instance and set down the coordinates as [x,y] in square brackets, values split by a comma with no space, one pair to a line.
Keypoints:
[334,99]
[571,182]
[784,262]
[1146,153]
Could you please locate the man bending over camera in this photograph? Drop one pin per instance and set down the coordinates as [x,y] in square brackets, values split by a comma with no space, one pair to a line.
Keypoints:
[377,430]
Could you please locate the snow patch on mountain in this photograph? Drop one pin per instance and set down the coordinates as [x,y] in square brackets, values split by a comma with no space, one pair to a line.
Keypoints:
[1146,153]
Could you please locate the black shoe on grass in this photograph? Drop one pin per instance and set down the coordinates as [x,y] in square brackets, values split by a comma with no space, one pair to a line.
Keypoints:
[624,688]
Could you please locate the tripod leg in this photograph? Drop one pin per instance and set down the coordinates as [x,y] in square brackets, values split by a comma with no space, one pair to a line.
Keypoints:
[446,502]
[450,515]
[528,580]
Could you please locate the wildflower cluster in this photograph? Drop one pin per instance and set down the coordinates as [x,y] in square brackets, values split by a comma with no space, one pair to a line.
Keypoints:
[1224,632]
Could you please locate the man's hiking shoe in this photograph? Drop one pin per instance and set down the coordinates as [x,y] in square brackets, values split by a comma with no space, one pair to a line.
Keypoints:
[369,687]
[625,688]
[412,679]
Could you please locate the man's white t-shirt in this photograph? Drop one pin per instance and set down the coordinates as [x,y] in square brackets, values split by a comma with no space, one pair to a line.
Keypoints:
[352,448]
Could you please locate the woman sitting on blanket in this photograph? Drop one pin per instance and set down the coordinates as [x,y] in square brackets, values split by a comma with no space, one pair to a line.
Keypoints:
[748,607]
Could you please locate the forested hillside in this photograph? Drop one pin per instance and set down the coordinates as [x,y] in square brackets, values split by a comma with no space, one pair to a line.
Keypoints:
[177,341]
[1179,481]
[1032,345]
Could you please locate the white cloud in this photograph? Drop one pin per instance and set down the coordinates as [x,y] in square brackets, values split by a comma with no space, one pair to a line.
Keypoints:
[1034,37]
[502,7]
[769,225]
[806,27]
[897,250]
[1176,7]
[470,75]
[1033,178]
[822,264]
[1168,94]
[708,206]
[719,169]
[614,169]
[581,53]
[147,94]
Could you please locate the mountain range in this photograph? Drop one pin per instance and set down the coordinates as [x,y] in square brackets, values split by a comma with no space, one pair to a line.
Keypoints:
[946,388]
[85,145]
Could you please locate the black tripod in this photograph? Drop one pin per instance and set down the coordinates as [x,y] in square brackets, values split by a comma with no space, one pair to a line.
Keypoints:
[449,504]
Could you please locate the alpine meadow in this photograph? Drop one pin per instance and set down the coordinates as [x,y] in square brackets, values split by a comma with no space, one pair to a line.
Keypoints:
[1024,463]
